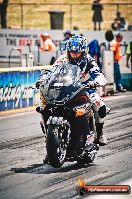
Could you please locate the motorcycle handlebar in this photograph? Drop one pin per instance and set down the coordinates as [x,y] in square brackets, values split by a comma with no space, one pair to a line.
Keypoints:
[90,84]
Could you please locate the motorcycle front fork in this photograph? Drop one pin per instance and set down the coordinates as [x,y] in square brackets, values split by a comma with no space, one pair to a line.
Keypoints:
[42,124]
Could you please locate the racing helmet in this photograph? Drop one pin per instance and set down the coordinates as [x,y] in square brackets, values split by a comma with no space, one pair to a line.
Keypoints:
[77,44]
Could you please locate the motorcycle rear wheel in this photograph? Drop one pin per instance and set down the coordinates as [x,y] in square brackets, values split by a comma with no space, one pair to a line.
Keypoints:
[55,149]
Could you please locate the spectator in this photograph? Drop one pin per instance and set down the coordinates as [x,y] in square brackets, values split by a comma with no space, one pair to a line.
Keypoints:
[94,51]
[119,22]
[109,36]
[115,25]
[67,35]
[48,44]
[129,55]
[3,13]
[97,15]
[116,48]
[130,27]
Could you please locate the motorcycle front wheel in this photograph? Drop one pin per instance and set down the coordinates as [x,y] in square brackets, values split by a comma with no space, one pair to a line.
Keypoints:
[56,149]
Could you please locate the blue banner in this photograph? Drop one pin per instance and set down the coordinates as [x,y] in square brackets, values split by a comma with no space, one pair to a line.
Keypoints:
[16,89]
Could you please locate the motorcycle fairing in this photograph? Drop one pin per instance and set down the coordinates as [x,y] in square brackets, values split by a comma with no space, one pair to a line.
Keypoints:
[62,84]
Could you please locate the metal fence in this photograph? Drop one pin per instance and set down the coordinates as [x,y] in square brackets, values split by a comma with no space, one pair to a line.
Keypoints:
[36,16]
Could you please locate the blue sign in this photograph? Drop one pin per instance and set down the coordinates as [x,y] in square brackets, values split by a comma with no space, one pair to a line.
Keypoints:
[16,89]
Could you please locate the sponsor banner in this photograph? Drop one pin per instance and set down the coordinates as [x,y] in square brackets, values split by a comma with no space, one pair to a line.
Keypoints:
[16,89]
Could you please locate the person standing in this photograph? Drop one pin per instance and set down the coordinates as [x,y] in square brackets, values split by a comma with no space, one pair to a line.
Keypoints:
[94,51]
[116,48]
[129,55]
[97,7]
[3,13]
[67,35]
[119,22]
[47,43]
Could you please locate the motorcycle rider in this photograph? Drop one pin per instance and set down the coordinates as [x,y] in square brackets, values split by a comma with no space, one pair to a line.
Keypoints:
[76,54]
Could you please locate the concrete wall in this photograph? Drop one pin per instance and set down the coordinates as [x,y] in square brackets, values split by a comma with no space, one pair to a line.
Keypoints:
[12,39]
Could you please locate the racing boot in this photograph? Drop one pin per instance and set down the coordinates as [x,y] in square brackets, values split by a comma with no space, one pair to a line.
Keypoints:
[101,139]
[45,160]
[40,109]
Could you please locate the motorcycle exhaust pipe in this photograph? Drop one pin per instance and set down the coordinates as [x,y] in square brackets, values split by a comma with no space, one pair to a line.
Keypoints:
[93,152]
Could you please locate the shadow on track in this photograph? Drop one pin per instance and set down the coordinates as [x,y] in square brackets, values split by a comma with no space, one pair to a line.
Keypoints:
[47,169]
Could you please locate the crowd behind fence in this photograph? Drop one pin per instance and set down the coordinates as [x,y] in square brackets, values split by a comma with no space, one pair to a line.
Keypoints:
[36,16]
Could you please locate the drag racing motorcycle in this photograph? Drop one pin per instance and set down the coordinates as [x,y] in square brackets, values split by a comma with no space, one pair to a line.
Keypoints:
[68,119]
